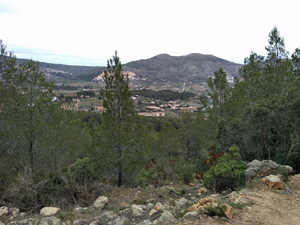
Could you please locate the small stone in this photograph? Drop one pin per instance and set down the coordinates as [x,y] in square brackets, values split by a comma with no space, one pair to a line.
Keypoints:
[158,206]
[49,211]
[81,222]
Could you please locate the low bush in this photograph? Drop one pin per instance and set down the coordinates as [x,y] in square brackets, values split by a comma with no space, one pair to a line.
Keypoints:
[227,172]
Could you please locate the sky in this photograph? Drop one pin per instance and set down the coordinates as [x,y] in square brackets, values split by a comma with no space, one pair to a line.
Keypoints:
[77,32]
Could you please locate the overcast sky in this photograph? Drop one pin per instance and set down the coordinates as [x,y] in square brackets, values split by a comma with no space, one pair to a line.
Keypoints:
[88,32]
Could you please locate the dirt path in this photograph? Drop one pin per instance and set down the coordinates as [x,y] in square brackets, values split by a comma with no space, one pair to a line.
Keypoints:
[267,207]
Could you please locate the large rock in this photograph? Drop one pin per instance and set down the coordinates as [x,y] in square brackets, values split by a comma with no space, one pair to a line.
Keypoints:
[49,211]
[3,211]
[179,205]
[138,210]
[101,202]
[121,221]
[273,181]
[165,217]
[259,169]
[106,216]
[50,221]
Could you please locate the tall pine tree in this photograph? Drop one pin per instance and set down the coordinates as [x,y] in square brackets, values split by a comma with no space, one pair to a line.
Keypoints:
[120,124]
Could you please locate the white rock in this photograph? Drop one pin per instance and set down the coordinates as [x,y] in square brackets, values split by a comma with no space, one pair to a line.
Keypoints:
[3,210]
[49,211]
[101,202]
[137,210]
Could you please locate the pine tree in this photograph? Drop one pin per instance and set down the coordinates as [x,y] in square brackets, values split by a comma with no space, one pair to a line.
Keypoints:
[120,125]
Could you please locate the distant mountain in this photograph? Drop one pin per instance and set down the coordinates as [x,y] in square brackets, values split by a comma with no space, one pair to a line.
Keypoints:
[61,70]
[193,67]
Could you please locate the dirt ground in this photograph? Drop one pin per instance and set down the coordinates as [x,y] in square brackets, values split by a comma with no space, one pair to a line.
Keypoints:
[261,205]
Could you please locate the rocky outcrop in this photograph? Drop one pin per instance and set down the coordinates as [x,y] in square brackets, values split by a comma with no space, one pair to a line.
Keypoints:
[260,169]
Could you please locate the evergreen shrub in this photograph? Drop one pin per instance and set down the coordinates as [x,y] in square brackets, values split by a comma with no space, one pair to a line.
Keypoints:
[227,172]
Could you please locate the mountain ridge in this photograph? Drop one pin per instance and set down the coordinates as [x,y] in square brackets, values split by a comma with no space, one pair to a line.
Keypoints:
[194,67]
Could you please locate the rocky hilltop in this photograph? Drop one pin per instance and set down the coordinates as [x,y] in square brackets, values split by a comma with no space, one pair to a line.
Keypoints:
[192,68]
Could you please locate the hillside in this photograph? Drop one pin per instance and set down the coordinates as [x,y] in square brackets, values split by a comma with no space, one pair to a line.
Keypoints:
[192,68]
[162,68]
[61,70]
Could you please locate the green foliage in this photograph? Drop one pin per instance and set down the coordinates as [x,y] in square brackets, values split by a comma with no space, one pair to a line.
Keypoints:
[86,93]
[217,210]
[228,172]
[284,172]
[82,170]
[68,98]
[142,178]
[121,129]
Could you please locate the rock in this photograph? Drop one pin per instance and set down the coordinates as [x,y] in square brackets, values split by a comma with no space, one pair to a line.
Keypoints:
[79,209]
[202,190]
[50,221]
[150,205]
[3,211]
[121,221]
[67,222]
[166,216]
[14,212]
[95,222]
[145,222]
[191,214]
[153,214]
[138,210]
[101,202]
[283,192]
[49,211]
[21,222]
[228,211]
[288,189]
[202,203]
[22,214]
[33,221]
[158,206]
[258,169]
[273,181]
[81,222]
[179,205]
[2,223]
[106,216]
